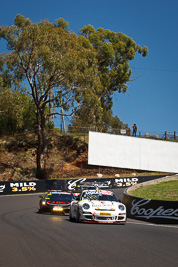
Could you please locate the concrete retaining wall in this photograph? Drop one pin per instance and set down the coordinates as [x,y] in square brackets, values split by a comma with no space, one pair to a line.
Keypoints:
[155,211]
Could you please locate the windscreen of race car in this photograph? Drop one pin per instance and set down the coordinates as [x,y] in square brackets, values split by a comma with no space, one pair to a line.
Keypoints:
[98,196]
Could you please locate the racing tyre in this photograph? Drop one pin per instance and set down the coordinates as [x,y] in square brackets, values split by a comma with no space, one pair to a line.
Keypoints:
[70,217]
[77,217]
[40,211]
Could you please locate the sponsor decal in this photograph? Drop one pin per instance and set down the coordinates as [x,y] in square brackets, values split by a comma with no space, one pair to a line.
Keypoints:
[107,193]
[23,187]
[139,211]
[72,184]
[2,187]
[118,182]
[105,184]
[101,205]
[105,214]
[126,181]
[92,192]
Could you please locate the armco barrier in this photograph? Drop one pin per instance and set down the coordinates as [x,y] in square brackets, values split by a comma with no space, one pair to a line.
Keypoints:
[37,186]
[154,211]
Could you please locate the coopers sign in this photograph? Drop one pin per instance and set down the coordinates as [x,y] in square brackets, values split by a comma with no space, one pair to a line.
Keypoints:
[156,211]
[139,211]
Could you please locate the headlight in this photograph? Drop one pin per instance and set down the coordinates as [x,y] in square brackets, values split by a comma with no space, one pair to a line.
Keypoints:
[56,208]
[43,203]
[86,206]
[121,207]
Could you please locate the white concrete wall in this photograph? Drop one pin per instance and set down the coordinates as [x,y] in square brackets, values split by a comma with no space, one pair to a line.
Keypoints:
[132,152]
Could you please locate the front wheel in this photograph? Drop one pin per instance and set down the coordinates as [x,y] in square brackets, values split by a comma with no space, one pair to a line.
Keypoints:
[77,216]
[110,186]
[40,210]
[70,216]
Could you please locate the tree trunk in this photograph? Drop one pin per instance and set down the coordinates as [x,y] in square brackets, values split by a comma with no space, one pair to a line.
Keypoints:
[42,145]
[39,147]
[50,117]
[44,142]
[63,130]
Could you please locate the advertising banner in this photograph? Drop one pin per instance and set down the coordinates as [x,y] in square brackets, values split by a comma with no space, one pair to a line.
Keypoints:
[36,186]
[155,211]
[132,152]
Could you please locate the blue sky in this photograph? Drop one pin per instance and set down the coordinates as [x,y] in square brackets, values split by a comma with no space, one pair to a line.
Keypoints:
[151,100]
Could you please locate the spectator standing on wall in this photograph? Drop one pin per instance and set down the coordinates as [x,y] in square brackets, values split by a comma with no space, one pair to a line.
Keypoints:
[134,126]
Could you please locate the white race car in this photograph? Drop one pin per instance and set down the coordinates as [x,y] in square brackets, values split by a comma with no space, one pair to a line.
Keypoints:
[98,206]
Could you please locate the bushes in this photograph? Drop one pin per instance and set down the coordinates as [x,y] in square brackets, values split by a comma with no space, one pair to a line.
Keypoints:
[17,112]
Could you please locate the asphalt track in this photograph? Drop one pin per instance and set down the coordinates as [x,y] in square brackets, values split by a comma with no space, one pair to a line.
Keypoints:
[30,239]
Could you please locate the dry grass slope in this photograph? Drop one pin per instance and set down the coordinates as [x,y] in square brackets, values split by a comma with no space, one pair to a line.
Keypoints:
[67,158]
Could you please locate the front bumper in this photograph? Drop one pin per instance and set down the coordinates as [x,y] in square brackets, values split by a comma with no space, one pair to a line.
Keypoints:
[103,217]
[55,209]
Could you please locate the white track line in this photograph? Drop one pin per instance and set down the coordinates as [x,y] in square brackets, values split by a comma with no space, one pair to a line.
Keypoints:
[156,225]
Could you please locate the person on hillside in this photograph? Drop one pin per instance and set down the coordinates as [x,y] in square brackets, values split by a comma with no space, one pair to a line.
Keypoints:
[134,126]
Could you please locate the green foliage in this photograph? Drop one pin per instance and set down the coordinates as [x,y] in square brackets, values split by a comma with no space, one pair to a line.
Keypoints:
[109,123]
[113,53]
[28,153]
[17,112]
[61,23]
[112,123]
[48,56]
[163,191]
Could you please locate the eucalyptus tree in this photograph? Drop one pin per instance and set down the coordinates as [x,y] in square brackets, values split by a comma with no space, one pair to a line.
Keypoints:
[50,59]
[114,51]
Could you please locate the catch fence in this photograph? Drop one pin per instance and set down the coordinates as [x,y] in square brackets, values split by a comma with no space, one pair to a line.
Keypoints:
[83,131]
